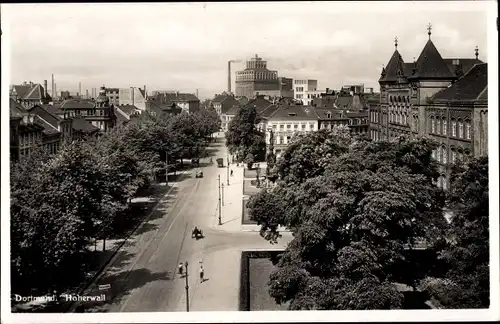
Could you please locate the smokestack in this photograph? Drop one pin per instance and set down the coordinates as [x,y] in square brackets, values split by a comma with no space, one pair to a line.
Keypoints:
[53,90]
[45,90]
[145,93]
[132,94]
[229,77]
[86,93]
[197,94]
[79,88]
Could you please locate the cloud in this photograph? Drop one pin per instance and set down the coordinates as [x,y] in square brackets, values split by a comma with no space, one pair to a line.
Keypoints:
[187,46]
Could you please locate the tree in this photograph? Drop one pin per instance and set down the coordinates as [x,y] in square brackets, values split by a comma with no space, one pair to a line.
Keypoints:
[465,284]
[354,208]
[242,137]
[271,157]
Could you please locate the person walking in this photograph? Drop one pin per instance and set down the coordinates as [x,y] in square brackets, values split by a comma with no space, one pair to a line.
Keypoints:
[232,173]
[202,274]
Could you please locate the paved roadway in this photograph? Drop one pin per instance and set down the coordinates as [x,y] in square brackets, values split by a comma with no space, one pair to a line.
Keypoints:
[143,276]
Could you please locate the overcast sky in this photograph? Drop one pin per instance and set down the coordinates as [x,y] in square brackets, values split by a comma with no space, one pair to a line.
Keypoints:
[186,46]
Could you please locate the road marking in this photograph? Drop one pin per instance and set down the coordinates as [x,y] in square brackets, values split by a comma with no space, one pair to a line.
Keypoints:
[195,187]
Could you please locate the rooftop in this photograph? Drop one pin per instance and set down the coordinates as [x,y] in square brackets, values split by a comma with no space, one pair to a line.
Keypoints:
[472,86]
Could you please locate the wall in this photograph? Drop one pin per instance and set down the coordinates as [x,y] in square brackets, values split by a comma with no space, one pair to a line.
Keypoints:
[132,96]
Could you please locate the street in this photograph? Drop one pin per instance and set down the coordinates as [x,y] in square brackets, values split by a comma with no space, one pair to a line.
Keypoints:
[144,278]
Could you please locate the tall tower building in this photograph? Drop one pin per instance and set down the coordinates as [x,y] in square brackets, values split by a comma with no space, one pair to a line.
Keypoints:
[257,79]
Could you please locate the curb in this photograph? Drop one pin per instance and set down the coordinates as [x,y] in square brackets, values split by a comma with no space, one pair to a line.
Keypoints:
[113,256]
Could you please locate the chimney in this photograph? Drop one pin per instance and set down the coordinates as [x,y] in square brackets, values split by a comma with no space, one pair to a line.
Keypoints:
[45,90]
[145,93]
[229,76]
[132,95]
[79,87]
[53,91]
[86,93]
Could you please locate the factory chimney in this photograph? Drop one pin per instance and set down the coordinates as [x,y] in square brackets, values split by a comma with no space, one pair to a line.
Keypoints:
[53,90]
[86,93]
[229,77]
[45,90]
[79,88]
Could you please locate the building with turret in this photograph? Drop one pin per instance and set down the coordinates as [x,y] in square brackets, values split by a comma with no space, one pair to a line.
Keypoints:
[443,98]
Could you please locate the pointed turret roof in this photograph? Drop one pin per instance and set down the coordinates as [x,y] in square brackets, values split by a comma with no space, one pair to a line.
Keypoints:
[430,64]
[395,64]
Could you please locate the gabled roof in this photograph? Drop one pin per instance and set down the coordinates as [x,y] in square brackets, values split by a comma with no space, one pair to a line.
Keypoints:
[121,117]
[77,104]
[16,109]
[220,98]
[48,129]
[52,119]
[260,103]
[327,113]
[471,86]
[466,63]
[294,112]
[30,92]
[128,109]
[269,111]
[228,103]
[81,125]
[430,64]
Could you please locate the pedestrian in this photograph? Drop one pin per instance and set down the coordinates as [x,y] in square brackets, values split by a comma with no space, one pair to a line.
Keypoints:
[202,274]
[237,164]
[181,268]
[231,172]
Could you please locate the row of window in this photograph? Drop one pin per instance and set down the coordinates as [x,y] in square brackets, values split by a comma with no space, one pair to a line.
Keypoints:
[295,126]
[28,139]
[374,116]
[442,182]
[402,99]
[440,127]
[299,89]
[299,81]
[441,155]
[399,118]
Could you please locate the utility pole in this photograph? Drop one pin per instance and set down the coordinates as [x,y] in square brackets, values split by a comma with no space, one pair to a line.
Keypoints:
[228,170]
[222,194]
[187,287]
[220,212]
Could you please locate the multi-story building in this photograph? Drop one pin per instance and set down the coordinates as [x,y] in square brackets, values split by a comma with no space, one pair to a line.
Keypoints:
[127,96]
[257,79]
[415,96]
[186,102]
[222,103]
[99,112]
[30,94]
[285,120]
[113,95]
[357,121]
[29,129]
[301,87]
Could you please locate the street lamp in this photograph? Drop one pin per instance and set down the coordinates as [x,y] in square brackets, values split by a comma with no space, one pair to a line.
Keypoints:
[222,194]
[228,169]
[220,212]
[187,287]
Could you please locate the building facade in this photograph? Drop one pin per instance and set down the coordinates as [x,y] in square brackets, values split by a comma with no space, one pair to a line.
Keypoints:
[30,94]
[256,78]
[415,96]
[303,86]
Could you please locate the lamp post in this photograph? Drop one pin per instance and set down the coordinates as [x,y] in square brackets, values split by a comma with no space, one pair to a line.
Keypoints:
[228,169]
[187,287]
[220,212]
[222,194]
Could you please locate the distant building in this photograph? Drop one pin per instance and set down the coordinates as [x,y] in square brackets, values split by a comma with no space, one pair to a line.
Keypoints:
[187,102]
[30,94]
[354,89]
[301,87]
[442,98]
[127,96]
[99,112]
[257,78]
[222,103]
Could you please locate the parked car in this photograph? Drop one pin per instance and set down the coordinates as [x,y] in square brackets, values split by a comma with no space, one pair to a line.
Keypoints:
[199,174]
[220,162]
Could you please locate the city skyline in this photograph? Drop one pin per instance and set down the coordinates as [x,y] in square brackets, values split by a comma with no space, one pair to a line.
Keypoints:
[333,43]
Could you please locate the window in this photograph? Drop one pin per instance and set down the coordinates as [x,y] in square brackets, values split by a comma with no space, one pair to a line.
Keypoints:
[438,130]
[444,127]
[460,129]
[445,155]
[274,127]
[453,128]
[467,130]
[282,127]
[445,186]
[282,139]
[433,125]
[295,126]
[288,126]
[453,156]
[303,126]
[311,126]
